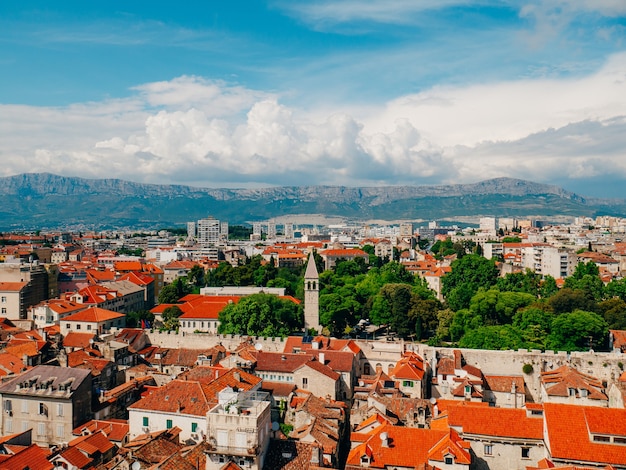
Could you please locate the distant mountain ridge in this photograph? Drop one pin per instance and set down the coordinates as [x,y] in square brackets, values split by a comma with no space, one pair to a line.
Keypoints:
[43,200]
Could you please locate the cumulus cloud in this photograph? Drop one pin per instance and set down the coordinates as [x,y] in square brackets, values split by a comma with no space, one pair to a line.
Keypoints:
[195,131]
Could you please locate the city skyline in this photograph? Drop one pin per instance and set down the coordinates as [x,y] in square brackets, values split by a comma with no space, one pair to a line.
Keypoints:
[340,93]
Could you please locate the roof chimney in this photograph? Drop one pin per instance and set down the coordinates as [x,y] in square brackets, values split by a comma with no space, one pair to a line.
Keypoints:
[384,439]
[322,358]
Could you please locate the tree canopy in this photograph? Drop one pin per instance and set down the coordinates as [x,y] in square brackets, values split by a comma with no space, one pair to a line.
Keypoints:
[261,315]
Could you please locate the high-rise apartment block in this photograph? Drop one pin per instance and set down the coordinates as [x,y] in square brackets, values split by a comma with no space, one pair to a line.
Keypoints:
[210,231]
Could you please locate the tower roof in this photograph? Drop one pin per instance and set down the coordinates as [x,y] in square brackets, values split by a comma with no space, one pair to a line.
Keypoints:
[311,268]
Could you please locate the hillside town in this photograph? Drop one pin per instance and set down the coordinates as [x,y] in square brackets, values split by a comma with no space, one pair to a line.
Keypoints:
[112,358]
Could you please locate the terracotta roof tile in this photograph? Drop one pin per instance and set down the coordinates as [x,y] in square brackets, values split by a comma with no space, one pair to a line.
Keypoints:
[569,430]
[94,314]
[497,422]
[558,382]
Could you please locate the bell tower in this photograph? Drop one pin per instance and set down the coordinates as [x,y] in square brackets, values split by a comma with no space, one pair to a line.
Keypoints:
[311,296]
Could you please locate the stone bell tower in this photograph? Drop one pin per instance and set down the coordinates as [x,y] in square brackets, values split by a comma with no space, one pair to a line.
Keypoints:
[311,296]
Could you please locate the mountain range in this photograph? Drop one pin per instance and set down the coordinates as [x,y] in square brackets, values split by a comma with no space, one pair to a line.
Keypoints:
[43,201]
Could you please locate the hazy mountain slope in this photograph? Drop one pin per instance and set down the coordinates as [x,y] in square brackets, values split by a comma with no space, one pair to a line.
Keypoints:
[41,200]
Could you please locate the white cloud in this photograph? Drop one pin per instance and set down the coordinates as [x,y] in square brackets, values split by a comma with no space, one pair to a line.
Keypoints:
[195,131]
[450,116]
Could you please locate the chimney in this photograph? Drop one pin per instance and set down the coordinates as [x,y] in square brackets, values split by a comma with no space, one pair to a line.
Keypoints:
[237,376]
[384,439]
[322,358]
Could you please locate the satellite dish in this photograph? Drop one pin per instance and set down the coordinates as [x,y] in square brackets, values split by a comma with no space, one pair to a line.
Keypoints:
[275,426]
[384,436]
[136,465]
[361,383]
[258,346]
[433,401]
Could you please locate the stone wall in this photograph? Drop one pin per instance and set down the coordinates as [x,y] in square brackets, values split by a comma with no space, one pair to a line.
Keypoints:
[604,366]
[207,340]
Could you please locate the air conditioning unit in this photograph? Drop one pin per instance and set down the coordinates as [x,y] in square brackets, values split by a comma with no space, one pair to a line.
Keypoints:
[194,436]
[145,429]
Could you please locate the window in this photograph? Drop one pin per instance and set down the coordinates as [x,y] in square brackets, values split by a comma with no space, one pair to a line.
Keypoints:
[60,430]
[583,392]
[43,409]
[24,406]
[41,429]
[89,327]
[8,406]
[168,424]
[8,425]
[601,439]
[488,450]
[78,326]
[572,392]
[194,427]
[525,452]
[59,409]
[407,383]
[4,299]
[145,421]
[448,460]
[305,382]
[4,310]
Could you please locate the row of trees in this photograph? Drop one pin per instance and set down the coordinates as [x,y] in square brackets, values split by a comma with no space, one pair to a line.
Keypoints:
[524,310]
[482,309]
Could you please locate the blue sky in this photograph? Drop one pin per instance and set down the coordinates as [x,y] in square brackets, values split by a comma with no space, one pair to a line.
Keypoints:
[248,94]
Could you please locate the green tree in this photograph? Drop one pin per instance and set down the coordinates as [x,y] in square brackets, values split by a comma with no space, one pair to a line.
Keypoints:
[133,319]
[498,337]
[425,314]
[467,275]
[528,282]
[535,324]
[578,330]
[567,300]
[196,275]
[548,287]
[586,278]
[391,307]
[614,313]
[616,288]
[444,320]
[172,293]
[261,315]
[170,317]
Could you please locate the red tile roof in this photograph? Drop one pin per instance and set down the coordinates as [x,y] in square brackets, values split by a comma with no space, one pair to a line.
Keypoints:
[78,340]
[32,456]
[178,396]
[115,429]
[557,382]
[12,286]
[92,443]
[322,369]
[569,430]
[93,315]
[280,362]
[495,422]
[504,383]
[409,447]
[75,458]
[410,367]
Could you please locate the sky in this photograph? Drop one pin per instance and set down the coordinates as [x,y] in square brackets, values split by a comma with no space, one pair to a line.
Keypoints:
[283,93]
